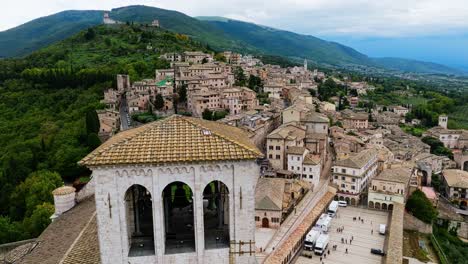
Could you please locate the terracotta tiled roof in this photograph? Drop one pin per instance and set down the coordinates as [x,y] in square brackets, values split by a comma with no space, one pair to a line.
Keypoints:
[86,248]
[174,139]
[63,236]
[63,190]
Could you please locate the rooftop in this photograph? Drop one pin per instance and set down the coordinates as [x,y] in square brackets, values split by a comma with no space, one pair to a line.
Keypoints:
[401,175]
[70,239]
[357,160]
[456,178]
[295,150]
[174,139]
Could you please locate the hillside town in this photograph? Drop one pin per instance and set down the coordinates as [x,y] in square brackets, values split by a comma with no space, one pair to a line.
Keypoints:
[245,164]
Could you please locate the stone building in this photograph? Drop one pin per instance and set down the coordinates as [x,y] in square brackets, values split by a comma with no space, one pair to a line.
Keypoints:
[304,164]
[455,186]
[109,122]
[353,120]
[275,198]
[175,191]
[353,174]
[282,138]
[389,187]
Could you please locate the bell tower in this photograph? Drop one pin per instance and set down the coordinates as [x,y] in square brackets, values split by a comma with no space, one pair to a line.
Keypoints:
[443,120]
[305,64]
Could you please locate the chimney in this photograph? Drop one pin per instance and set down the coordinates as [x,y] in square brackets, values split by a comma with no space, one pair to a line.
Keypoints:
[64,200]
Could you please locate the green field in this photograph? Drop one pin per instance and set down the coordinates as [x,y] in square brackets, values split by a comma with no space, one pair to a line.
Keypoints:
[459,118]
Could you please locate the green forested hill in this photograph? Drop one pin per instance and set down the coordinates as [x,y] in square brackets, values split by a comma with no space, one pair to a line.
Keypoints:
[219,33]
[48,98]
[44,31]
[289,44]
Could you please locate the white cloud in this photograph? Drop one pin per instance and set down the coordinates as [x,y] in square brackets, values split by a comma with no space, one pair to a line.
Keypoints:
[392,18]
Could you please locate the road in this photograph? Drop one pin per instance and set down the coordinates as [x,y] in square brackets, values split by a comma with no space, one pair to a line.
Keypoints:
[125,121]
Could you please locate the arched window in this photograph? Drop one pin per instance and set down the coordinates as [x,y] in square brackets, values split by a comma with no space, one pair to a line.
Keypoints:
[178,218]
[216,215]
[139,214]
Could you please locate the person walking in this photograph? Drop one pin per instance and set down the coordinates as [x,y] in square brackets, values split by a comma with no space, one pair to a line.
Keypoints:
[372,231]
[346,250]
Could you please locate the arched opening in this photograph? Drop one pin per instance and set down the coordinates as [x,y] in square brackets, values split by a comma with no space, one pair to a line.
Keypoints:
[371,204]
[178,218]
[390,207]
[384,206]
[377,205]
[216,215]
[465,166]
[347,200]
[341,198]
[335,198]
[139,216]
[353,201]
[265,223]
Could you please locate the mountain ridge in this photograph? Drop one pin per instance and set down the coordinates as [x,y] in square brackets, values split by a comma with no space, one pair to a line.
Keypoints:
[218,32]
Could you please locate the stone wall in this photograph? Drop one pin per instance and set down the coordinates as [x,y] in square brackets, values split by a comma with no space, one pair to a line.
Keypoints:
[412,223]
[394,241]
[86,191]
[111,184]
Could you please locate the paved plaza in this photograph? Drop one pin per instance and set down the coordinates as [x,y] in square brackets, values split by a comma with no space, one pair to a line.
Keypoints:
[363,240]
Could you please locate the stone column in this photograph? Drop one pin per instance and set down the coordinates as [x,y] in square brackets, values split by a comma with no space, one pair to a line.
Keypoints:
[198,216]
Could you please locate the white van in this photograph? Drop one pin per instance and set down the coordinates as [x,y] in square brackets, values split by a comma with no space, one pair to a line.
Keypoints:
[332,208]
[342,203]
[382,228]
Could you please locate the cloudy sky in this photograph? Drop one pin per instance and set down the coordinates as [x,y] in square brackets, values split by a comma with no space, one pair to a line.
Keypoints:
[363,24]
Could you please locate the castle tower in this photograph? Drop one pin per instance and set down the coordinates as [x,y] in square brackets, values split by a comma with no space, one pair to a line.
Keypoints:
[179,190]
[305,64]
[443,120]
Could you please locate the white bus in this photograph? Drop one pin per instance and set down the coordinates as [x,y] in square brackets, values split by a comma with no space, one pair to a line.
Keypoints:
[311,238]
[321,244]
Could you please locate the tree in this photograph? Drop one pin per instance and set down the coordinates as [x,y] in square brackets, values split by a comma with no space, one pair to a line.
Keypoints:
[421,207]
[239,77]
[219,115]
[35,190]
[159,102]
[90,34]
[255,83]
[182,91]
[437,147]
[220,57]
[207,114]
[39,219]
[435,182]
[10,231]
[93,141]
[92,122]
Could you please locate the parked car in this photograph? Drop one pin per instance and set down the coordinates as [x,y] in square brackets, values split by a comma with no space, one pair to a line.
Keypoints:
[342,204]
[377,251]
